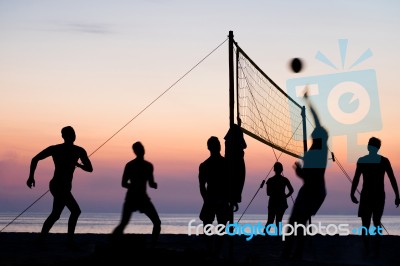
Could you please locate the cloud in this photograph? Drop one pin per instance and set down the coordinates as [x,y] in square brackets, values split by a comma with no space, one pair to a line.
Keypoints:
[80,27]
[85,27]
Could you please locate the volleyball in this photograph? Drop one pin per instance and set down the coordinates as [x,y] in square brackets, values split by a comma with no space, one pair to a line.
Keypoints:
[296,65]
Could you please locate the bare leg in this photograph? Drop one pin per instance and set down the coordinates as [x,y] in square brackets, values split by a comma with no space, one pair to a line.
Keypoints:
[75,210]
[151,212]
[377,223]
[125,218]
[279,216]
[271,218]
[366,222]
[58,206]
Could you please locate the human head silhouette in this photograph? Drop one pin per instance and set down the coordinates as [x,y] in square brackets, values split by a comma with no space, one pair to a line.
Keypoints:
[138,149]
[278,167]
[213,144]
[374,144]
[68,134]
[319,133]
[319,137]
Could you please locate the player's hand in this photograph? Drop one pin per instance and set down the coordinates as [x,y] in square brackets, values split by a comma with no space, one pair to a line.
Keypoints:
[235,206]
[30,182]
[298,169]
[397,202]
[354,199]
[153,185]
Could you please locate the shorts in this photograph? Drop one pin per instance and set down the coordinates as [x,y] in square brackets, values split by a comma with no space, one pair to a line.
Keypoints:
[210,210]
[371,205]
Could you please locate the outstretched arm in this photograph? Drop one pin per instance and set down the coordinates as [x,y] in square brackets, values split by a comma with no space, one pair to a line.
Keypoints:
[40,156]
[313,112]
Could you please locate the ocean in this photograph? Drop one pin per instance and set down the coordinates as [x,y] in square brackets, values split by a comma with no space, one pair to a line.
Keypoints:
[104,223]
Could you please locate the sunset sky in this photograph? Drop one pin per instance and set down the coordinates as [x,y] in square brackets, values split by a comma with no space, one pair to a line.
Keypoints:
[97,64]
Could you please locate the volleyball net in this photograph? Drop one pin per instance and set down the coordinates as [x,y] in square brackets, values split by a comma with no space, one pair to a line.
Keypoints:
[266,113]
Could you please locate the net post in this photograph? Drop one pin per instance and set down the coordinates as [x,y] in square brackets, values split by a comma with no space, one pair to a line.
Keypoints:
[231,122]
[231,104]
[303,115]
[231,81]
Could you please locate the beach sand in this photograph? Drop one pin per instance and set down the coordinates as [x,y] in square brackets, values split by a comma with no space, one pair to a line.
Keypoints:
[179,249]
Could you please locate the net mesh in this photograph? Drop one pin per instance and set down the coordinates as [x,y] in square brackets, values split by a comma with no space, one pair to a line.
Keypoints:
[266,112]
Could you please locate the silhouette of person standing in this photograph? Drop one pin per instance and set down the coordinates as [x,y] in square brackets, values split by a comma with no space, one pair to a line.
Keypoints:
[137,174]
[213,180]
[372,199]
[276,190]
[65,157]
[313,191]
[234,154]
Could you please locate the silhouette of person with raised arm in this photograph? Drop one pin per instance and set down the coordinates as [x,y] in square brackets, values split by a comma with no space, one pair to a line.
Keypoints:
[65,157]
[313,191]
[372,198]
[137,174]
[276,190]
[213,182]
[234,154]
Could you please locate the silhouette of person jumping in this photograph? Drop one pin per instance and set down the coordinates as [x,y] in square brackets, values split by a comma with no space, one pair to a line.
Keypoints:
[137,174]
[65,157]
[234,154]
[213,182]
[313,192]
[276,190]
[372,198]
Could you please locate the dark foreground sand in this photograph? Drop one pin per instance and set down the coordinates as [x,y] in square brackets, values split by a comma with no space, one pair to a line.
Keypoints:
[97,249]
